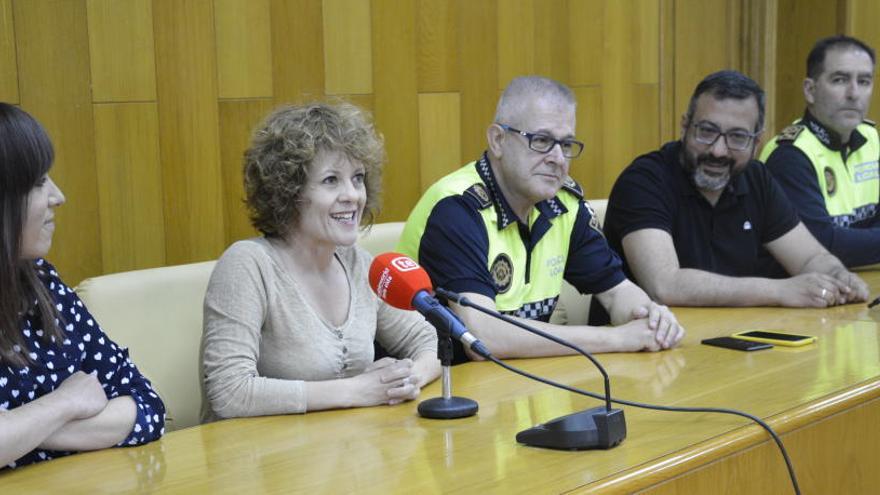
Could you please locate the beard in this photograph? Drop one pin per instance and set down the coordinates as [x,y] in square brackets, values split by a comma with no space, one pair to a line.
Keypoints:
[704,179]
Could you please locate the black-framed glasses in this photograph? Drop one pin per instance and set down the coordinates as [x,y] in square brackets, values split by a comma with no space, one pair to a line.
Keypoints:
[543,143]
[736,139]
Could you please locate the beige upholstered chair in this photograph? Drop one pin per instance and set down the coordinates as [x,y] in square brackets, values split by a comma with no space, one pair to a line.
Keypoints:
[157,314]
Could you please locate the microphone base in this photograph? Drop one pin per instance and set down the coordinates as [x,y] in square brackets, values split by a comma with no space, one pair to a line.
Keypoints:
[451,408]
[594,428]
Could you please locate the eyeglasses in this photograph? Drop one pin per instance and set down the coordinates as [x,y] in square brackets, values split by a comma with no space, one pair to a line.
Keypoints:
[543,143]
[736,140]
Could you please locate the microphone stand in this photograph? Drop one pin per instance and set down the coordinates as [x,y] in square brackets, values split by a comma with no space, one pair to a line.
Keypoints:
[448,406]
[599,427]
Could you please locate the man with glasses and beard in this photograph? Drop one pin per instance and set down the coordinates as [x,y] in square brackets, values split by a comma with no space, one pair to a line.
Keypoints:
[507,229]
[697,221]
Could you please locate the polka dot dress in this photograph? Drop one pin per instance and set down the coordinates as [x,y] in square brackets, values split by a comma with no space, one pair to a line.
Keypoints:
[85,348]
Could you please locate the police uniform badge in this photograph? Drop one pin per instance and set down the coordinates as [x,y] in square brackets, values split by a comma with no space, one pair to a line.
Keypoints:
[573,187]
[502,273]
[481,194]
[790,133]
[594,219]
[830,181]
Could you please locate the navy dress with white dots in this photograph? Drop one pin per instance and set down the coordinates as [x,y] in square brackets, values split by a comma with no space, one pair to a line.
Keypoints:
[85,348]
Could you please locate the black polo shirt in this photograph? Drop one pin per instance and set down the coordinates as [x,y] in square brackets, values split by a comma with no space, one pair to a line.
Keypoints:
[729,238]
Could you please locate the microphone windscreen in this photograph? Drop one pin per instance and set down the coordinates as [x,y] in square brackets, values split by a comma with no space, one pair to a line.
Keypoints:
[396,279]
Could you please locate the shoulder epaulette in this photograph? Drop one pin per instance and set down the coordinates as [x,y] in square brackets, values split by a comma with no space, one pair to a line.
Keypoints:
[790,133]
[573,187]
[481,194]
[869,122]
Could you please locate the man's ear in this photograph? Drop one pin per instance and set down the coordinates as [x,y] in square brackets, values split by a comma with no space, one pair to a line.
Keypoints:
[810,90]
[495,136]
[684,125]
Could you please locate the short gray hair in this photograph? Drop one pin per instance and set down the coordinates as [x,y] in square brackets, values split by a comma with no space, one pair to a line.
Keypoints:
[524,88]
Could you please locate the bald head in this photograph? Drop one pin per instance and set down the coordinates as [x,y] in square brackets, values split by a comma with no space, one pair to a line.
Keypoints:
[524,90]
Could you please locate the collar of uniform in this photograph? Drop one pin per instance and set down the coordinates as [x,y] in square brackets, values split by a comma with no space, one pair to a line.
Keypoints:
[550,208]
[830,138]
[672,151]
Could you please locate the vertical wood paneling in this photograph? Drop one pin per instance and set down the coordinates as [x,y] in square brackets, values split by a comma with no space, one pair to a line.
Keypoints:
[617,92]
[552,51]
[395,102]
[238,119]
[9,73]
[516,39]
[53,63]
[297,50]
[348,53]
[586,41]
[244,48]
[121,50]
[188,130]
[129,186]
[439,136]
[646,36]
[668,113]
[802,23]
[438,46]
[479,67]
[430,71]
[589,168]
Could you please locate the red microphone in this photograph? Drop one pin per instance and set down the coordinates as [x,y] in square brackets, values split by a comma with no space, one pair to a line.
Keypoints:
[403,284]
[396,279]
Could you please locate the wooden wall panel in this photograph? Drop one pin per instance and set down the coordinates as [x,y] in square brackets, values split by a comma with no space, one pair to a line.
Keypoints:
[395,101]
[244,48]
[238,119]
[430,71]
[697,21]
[129,186]
[803,23]
[478,39]
[188,130]
[348,63]
[516,39]
[439,136]
[588,169]
[552,51]
[438,46]
[121,50]
[297,50]
[586,41]
[53,64]
[9,73]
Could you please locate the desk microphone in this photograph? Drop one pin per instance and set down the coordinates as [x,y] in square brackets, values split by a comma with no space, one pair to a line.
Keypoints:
[403,284]
[598,427]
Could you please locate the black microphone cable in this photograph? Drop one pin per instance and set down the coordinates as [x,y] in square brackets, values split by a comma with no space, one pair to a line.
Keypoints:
[463,301]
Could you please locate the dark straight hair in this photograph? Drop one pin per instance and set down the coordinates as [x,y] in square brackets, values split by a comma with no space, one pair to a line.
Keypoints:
[26,155]
[726,84]
[816,58]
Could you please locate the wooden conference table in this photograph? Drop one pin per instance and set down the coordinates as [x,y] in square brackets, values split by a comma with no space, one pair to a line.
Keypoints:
[822,398]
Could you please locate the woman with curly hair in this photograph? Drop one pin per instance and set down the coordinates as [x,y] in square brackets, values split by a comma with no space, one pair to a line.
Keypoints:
[289,316]
[64,385]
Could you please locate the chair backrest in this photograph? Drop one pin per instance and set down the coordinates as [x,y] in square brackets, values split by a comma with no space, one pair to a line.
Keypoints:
[573,307]
[381,237]
[157,314]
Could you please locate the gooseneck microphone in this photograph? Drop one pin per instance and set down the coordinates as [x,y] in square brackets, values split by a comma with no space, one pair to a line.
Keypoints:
[403,284]
[598,427]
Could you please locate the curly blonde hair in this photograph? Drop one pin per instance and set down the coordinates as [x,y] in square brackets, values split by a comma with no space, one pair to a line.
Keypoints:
[282,148]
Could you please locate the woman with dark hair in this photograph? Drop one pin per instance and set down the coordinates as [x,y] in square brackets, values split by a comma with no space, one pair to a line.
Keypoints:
[289,317]
[64,385]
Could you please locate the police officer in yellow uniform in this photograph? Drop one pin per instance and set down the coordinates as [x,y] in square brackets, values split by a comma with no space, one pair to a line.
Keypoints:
[827,162]
[505,230]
